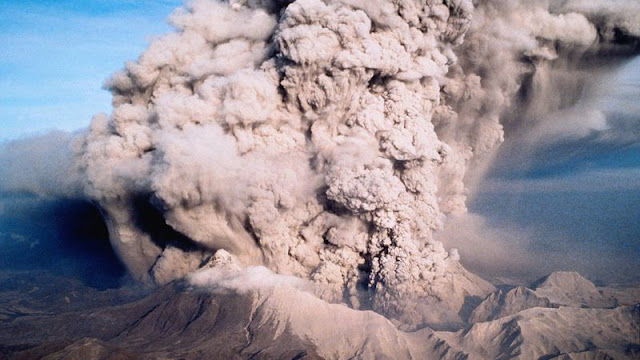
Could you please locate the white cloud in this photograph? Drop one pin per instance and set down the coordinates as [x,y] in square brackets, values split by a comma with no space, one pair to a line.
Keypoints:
[587,181]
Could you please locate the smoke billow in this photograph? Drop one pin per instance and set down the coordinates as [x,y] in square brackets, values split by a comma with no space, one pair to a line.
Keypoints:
[42,165]
[295,135]
[328,139]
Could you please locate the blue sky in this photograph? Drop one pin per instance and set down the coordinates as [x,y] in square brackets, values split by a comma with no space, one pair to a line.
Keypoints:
[572,203]
[56,55]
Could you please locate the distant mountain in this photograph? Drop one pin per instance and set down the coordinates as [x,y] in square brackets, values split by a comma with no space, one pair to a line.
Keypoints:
[183,321]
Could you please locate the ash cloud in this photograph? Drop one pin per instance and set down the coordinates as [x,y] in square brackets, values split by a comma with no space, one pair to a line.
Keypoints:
[600,124]
[42,165]
[46,221]
[327,140]
[517,250]
[313,153]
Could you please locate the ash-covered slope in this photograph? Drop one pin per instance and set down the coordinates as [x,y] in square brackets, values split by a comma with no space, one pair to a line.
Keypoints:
[37,292]
[565,317]
[255,314]
[543,333]
[504,303]
[180,321]
[571,289]
[555,290]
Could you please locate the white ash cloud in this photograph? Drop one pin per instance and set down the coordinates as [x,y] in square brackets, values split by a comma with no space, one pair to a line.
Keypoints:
[299,138]
[43,165]
[225,279]
[322,139]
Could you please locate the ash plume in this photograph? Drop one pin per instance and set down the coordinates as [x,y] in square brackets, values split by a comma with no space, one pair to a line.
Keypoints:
[42,165]
[294,135]
[328,139]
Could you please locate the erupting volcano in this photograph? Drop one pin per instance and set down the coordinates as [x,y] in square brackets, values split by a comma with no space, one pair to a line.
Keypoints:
[274,169]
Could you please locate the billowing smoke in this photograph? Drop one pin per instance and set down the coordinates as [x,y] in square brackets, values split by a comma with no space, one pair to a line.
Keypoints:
[328,139]
[295,135]
[42,165]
